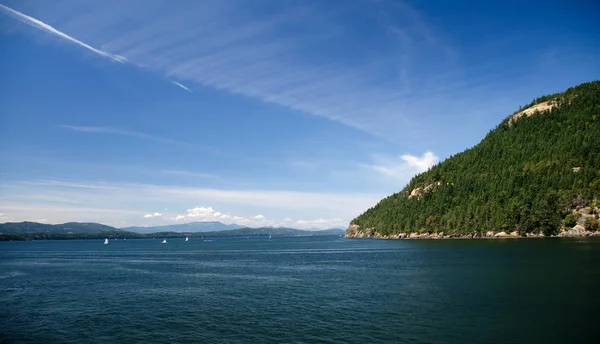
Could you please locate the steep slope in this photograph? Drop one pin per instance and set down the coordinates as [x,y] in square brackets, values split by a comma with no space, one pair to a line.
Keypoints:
[535,172]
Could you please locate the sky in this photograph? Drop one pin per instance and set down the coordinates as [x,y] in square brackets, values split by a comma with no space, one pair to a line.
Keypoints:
[262,113]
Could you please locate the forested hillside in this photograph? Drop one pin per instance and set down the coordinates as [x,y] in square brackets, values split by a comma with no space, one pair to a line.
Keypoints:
[526,175]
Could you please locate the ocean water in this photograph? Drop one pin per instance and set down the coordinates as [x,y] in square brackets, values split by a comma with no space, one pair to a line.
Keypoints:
[300,290]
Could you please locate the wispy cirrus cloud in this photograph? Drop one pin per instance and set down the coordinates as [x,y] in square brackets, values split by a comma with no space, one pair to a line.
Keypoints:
[45,27]
[149,137]
[94,201]
[185,173]
[319,66]
[182,86]
[118,131]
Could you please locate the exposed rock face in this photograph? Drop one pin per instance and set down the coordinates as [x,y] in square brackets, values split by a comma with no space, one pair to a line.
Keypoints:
[416,192]
[354,231]
[540,107]
[577,231]
[534,235]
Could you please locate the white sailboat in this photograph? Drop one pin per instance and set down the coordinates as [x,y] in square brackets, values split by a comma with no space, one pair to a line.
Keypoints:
[105,241]
[186,238]
[269,236]
[164,241]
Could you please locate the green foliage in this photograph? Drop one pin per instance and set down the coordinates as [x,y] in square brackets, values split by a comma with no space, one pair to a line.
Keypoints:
[570,221]
[519,177]
[591,224]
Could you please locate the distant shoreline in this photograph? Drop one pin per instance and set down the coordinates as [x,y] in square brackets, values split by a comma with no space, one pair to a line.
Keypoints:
[36,237]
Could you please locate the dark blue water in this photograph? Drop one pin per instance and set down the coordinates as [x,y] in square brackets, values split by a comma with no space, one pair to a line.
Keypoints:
[300,290]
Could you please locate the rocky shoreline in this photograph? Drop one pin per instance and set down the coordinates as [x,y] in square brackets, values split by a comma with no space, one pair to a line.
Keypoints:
[353,232]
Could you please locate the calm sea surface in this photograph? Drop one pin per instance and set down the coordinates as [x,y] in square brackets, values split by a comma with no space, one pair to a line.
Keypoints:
[300,290]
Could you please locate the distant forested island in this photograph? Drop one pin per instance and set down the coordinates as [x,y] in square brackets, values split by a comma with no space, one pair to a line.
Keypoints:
[89,230]
[536,174]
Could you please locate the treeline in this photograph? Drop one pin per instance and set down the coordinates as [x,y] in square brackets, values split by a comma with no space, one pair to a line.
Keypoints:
[70,236]
[525,176]
[119,234]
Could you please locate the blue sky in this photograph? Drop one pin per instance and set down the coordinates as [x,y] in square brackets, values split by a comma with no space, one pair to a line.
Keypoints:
[295,113]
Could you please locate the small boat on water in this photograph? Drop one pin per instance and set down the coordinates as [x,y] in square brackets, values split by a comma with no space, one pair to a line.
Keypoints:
[186,238]
[269,236]
[164,241]
[105,241]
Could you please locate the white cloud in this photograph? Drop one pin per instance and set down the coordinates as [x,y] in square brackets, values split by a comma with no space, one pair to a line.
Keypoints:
[201,214]
[124,204]
[182,86]
[45,27]
[152,215]
[209,214]
[406,168]
[421,164]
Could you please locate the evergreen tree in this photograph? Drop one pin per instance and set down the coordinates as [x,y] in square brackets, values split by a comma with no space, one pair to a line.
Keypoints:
[525,175]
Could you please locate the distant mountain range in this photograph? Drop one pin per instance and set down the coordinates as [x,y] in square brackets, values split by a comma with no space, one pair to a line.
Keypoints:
[262,231]
[82,230]
[192,227]
[65,228]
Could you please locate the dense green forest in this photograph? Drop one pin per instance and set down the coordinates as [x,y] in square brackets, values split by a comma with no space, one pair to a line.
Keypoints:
[526,175]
